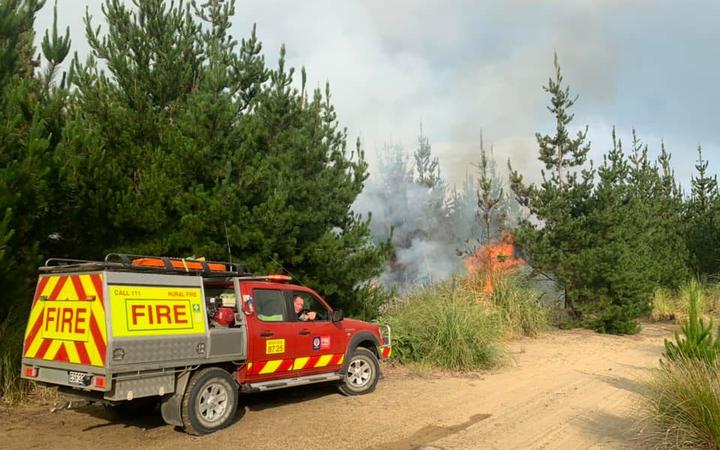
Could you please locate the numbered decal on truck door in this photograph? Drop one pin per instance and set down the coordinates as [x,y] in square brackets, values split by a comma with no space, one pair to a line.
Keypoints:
[274,346]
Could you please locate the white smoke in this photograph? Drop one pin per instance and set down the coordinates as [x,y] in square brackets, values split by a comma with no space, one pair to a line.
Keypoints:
[431,228]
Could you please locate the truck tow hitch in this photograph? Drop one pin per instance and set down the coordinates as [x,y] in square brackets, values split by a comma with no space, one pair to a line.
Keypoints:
[70,404]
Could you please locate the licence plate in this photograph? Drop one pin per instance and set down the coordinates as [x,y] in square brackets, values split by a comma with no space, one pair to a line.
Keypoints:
[78,378]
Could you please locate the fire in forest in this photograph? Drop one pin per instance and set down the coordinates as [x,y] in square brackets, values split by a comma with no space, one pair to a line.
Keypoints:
[493,259]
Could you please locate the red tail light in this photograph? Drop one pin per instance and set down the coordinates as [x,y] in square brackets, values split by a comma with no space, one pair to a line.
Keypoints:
[98,381]
[30,372]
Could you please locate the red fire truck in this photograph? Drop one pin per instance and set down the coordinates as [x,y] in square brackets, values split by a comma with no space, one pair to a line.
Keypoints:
[191,334]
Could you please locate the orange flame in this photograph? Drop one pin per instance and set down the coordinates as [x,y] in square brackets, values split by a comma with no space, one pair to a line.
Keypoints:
[492,259]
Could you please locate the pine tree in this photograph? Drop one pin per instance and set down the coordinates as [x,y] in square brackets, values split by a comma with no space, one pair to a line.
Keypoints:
[31,124]
[554,243]
[703,219]
[559,152]
[467,231]
[636,242]
[490,195]
[616,274]
[430,201]
[191,133]
[655,209]
[394,180]
[427,167]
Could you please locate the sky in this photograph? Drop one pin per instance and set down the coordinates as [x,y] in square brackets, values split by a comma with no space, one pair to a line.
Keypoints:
[460,68]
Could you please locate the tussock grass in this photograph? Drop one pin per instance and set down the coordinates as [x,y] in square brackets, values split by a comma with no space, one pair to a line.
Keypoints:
[712,298]
[664,305]
[12,387]
[460,325]
[520,307]
[674,305]
[444,326]
[682,403]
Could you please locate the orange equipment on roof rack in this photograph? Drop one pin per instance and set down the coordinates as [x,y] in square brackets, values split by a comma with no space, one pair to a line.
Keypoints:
[178,263]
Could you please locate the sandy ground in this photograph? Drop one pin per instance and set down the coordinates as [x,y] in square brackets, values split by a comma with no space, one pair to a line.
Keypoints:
[565,390]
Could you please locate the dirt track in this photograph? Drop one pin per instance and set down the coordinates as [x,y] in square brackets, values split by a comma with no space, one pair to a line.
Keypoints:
[567,389]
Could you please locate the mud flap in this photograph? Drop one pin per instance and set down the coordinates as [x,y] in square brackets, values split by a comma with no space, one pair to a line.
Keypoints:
[170,406]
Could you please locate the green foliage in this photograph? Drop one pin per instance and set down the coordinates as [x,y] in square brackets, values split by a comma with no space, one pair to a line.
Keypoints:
[697,340]
[16,36]
[183,132]
[190,133]
[702,214]
[372,297]
[445,326]
[604,316]
[31,121]
[554,243]
[682,403]
[429,184]
[638,246]
[609,240]
[491,202]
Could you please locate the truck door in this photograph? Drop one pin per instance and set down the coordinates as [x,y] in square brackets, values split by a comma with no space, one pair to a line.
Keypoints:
[271,333]
[320,342]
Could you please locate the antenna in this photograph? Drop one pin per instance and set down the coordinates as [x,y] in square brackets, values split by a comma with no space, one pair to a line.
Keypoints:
[287,271]
[227,239]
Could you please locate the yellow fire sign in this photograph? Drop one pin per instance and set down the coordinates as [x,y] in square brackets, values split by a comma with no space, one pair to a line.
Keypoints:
[67,320]
[156,311]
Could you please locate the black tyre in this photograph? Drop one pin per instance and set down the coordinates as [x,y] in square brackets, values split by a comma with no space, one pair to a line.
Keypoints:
[210,401]
[361,374]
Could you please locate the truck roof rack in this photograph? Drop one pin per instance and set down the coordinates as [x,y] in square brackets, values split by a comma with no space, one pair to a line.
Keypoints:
[149,264]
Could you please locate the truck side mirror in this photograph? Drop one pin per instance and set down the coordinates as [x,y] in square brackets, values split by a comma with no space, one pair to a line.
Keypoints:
[337,315]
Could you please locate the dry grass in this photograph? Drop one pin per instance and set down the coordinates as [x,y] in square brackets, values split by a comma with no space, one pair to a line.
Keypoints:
[673,305]
[460,325]
[12,387]
[664,305]
[444,326]
[682,405]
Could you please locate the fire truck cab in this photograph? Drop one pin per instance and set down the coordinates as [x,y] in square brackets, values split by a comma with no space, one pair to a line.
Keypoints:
[191,334]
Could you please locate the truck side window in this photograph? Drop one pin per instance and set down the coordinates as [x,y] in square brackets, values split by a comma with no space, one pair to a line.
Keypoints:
[271,305]
[310,303]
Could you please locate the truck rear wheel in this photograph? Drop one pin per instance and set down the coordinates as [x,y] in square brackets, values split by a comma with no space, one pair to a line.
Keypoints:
[210,401]
[361,374]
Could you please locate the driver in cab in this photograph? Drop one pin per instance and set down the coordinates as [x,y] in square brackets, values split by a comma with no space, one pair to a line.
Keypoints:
[303,314]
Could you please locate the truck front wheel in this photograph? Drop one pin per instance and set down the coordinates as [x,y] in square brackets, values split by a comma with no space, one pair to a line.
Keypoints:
[361,374]
[210,401]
